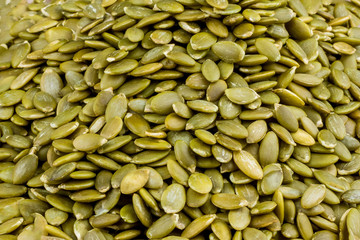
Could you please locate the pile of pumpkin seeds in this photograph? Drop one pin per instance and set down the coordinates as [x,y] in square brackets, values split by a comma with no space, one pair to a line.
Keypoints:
[179,119]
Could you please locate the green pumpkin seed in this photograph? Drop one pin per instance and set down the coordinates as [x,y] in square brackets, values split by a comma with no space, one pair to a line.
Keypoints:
[177,172]
[55,217]
[241,213]
[163,226]
[89,142]
[198,225]
[241,95]
[304,226]
[25,169]
[256,131]
[210,70]
[60,202]
[88,195]
[228,201]
[228,51]
[250,233]
[248,164]
[330,181]
[174,123]
[180,58]
[268,49]
[244,30]
[200,183]
[11,225]
[313,196]
[11,97]
[269,149]
[134,181]
[173,191]
[18,141]
[124,66]
[103,162]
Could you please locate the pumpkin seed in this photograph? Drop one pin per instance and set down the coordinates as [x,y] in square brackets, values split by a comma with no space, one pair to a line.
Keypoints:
[202,112]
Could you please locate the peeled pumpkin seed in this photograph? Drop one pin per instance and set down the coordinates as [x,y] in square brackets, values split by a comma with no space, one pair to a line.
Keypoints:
[180,58]
[134,181]
[173,198]
[248,164]
[220,119]
[286,118]
[313,196]
[202,41]
[228,201]
[162,103]
[89,142]
[250,233]
[241,95]
[25,168]
[268,49]
[11,97]
[198,225]
[241,213]
[228,51]
[11,225]
[163,226]
[330,181]
[200,183]
[256,131]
